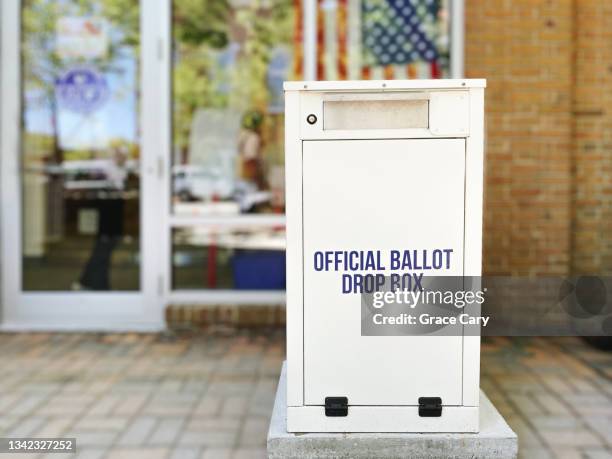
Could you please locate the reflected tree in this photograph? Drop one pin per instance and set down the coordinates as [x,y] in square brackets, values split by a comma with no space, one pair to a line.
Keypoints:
[42,62]
[208,34]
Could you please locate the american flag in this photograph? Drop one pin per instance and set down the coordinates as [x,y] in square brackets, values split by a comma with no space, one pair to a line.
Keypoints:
[382,39]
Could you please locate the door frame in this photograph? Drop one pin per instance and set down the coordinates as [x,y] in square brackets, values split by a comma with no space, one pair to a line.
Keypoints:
[141,310]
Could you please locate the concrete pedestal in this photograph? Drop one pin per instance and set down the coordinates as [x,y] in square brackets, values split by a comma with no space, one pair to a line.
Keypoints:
[495,439]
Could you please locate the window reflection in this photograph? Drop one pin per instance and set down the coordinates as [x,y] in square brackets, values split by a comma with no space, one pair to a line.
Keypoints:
[243,258]
[80,145]
[229,64]
[382,39]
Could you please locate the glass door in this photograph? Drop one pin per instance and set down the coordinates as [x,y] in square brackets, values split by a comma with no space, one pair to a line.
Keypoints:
[226,185]
[80,194]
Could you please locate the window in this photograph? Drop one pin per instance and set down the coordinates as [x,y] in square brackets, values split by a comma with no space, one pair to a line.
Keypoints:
[229,61]
[382,39]
[229,257]
[80,145]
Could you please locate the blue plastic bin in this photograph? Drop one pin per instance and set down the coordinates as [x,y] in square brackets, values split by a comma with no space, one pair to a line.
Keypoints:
[259,269]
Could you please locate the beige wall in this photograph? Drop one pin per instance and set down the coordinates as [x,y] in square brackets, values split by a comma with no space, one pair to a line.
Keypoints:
[549,127]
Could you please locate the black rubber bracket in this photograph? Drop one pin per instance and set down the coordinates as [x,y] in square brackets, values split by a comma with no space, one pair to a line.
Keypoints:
[336,406]
[430,407]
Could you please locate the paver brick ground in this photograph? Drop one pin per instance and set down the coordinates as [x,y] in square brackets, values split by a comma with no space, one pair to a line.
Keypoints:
[210,395]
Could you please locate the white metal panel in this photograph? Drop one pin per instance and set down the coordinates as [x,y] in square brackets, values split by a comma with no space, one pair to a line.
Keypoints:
[446,114]
[382,419]
[378,85]
[449,113]
[295,292]
[474,186]
[384,195]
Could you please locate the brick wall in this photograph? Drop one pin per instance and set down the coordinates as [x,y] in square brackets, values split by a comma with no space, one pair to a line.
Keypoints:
[226,317]
[549,147]
[592,154]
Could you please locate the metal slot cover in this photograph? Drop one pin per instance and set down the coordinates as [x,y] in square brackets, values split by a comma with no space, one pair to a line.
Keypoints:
[375,114]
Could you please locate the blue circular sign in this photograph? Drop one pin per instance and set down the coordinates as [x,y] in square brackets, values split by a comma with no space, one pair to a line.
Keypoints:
[81,90]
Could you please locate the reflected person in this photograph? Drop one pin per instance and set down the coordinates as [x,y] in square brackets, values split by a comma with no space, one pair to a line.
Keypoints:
[96,274]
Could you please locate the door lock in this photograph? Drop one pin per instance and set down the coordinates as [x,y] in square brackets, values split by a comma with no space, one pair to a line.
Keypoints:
[311,119]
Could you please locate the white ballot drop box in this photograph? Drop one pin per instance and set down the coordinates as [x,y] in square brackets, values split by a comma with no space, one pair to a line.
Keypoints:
[383,178]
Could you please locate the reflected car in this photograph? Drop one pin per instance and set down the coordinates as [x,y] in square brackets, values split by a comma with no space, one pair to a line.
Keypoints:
[196,184]
[94,174]
[193,183]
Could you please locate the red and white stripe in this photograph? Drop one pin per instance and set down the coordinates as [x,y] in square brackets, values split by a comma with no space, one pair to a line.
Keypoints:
[338,35]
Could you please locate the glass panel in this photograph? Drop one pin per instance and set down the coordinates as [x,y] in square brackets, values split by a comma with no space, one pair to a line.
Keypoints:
[382,39]
[244,258]
[230,60]
[80,145]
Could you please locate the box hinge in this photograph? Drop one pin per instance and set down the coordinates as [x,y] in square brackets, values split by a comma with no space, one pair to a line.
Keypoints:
[430,407]
[336,406]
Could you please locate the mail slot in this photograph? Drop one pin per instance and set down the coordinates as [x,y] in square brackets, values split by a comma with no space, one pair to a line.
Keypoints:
[395,110]
[384,183]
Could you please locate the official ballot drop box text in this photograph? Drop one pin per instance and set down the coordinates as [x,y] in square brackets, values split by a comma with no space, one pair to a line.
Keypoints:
[373,166]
